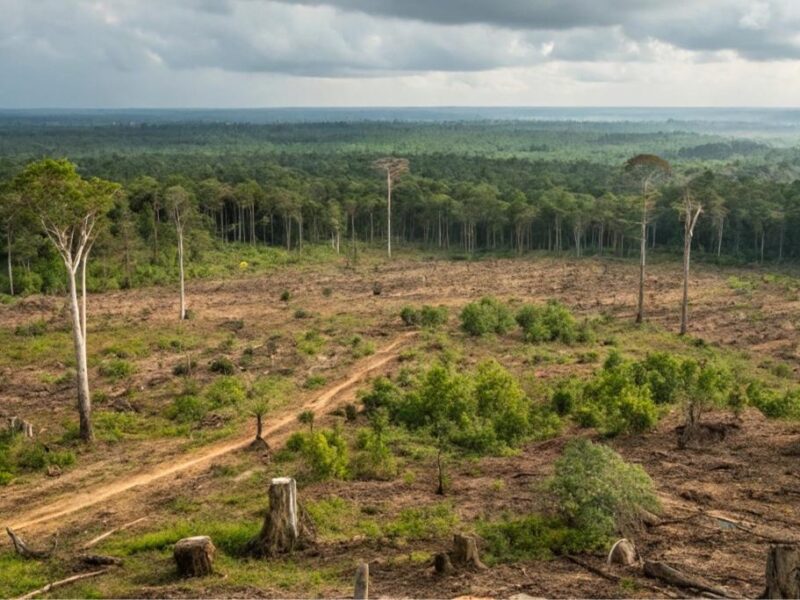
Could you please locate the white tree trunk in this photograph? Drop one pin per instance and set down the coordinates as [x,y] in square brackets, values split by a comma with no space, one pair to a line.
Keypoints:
[182,277]
[389,213]
[79,342]
[642,258]
[10,270]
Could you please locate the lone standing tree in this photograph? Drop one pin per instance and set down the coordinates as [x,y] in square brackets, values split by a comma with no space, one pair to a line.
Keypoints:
[70,209]
[690,211]
[394,167]
[179,204]
[649,167]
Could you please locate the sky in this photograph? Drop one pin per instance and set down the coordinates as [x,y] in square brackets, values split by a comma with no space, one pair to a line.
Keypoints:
[262,53]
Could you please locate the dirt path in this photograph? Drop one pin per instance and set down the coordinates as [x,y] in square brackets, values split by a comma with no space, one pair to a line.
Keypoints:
[95,495]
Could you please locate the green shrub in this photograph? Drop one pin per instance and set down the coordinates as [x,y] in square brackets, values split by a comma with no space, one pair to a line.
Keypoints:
[532,537]
[325,455]
[116,369]
[315,382]
[286,295]
[384,394]
[598,493]
[488,315]
[410,316]
[548,323]
[773,404]
[433,317]
[302,313]
[184,368]
[375,459]
[225,391]
[426,522]
[222,365]
[187,409]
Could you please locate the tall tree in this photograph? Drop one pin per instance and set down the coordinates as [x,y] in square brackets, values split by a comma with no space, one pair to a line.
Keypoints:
[71,211]
[11,208]
[179,204]
[690,210]
[394,168]
[648,167]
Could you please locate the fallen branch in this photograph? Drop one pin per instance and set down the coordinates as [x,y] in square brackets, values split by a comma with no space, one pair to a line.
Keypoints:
[21,548]
[670,575]
[616,579]
[100,538]
[62,582]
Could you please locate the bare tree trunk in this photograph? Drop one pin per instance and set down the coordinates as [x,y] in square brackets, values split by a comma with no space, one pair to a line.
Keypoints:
[10,269]
[719,237]
[691,214]
[182,275]
[79,342]
[389,213]
[642,259]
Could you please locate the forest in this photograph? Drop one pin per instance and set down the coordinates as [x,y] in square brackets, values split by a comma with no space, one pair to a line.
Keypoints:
[529,186]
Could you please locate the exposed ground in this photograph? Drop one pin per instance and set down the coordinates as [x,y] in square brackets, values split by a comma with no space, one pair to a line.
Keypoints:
[723,501]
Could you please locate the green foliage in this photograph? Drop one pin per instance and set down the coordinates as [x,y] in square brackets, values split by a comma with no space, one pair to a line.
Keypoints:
[310,343]
[423,523]
[222,365]
[20,455]
[773,404]
[486,316]
[225,391]
[375,459]
[598,493]
[315,382]
[532,537]
[116,369]
[325,455]
[384,394]
[285,296]
[187,408]
[430,317]
[548,323]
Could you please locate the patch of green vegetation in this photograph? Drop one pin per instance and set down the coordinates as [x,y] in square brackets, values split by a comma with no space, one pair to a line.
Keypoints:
[225,391]
[430,317]
[315,382]
[31,329]
[18,575]
[310,342]
[116,369]
[231,537]
[486,316]
[336,519]
[222,365]
[551,322]
[423,523]
[20,455]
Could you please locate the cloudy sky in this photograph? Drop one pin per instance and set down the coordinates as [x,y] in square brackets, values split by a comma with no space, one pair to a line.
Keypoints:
[253,53]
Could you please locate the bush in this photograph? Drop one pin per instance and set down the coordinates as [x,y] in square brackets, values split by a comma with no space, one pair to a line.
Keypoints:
[116,369]
[410,316]
[486,316]
[384,394]
[375,461]
[187,409]
[548,323]
[532,537]
[314,382]
[225,391]
[433,317]
[773,404]
[598,493]
[325,455]
[286,295]
[222,365]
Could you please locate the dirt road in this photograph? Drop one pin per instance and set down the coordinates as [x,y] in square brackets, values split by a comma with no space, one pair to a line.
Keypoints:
[279,428]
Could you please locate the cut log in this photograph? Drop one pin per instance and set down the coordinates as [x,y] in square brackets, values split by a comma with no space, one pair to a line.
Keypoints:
[361,591]
[194,556]
[670,575]
[281,530]
[21,548]
[783,572]
[623,552]
[465,551]
[99,560]
[442,564]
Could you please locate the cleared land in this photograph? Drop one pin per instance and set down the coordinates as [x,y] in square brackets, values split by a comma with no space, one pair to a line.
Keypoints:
[723,501]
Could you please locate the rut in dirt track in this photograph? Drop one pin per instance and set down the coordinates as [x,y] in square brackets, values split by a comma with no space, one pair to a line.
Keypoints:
[89,497]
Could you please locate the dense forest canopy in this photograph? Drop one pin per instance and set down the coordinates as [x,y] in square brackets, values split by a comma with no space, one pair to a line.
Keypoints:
[503,180]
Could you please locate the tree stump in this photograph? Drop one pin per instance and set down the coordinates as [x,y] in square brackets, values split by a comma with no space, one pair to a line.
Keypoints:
[783,572]
[194,556]
[281,531]
[442,564]
[465,551]
[361,591]
[622,553]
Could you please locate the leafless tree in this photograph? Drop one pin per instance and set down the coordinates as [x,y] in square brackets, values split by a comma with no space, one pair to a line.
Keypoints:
[394,168]
[690,212]
[648,167]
